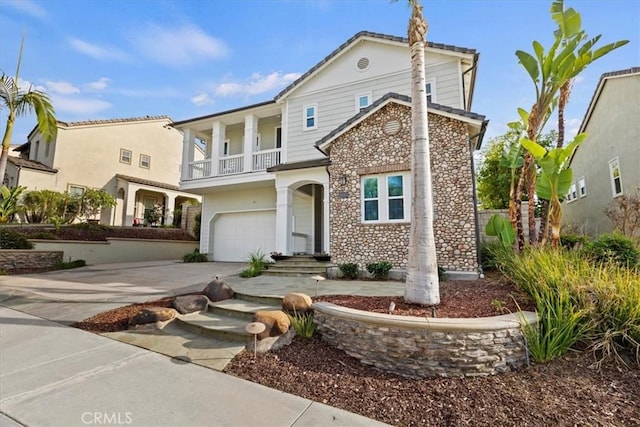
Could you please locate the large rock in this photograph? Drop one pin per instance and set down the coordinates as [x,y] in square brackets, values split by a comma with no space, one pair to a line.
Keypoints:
[190,303]
[272,343]
[152,315]
[217,290]
[296,303]
[276,321]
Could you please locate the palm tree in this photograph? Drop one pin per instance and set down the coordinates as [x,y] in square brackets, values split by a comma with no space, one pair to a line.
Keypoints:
[20,103]
[422,285]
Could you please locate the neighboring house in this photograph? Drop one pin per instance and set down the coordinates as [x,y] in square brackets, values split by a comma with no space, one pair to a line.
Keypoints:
[607,164]
[325,165]
[136,160]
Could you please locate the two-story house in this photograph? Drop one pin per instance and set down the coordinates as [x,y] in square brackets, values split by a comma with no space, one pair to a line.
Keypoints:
[607,164]
[324,166]
[136,160]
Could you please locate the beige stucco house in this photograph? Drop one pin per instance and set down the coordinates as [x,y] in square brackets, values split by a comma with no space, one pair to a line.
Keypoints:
[607,164]
[136,160]
[294,174]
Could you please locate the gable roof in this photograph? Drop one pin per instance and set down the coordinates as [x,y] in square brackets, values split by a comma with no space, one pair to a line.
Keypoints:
[148,182]
[62,124]
[600,87]
[370,35]
[434,108]
[30,164]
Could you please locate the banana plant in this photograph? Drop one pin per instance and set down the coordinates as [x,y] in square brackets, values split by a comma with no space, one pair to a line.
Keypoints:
[9,206]
[554,179]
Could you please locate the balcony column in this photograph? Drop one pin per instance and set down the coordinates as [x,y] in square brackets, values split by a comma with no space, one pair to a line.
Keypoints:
[217,142]
[284,214]
[250,135]
[188,146]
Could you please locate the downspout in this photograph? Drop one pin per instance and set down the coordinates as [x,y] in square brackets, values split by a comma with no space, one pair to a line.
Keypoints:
[472,148]
[464,92]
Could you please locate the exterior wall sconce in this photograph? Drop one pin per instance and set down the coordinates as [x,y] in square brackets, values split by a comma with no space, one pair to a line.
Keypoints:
[342,180]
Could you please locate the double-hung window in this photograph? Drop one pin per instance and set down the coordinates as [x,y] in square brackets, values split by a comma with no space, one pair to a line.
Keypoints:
[125,156]
[145,161]
[616,179]
[362,101]
[385,198]
[430,90]
[310,117]
[582,187]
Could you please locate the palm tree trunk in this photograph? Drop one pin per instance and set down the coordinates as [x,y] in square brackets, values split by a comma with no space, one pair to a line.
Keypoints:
[422,285]
[6,143]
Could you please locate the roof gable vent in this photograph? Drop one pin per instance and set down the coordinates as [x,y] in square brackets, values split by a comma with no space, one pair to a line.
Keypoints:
[392,126]
[363,63]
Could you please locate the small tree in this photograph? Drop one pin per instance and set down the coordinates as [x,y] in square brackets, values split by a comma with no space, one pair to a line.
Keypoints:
[93,201]
[624,213]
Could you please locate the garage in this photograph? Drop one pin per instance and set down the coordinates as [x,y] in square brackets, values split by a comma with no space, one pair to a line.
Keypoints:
[237,234]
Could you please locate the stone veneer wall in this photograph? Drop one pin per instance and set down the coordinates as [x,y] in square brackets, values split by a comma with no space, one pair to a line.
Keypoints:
[13,259]
[419,347]
[365,150]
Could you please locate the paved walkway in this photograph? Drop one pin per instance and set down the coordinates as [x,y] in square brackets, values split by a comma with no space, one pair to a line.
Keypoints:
[54,375]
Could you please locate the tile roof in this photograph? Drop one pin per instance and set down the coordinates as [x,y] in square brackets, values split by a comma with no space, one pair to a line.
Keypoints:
[300,165]
[370,34]
[148,182]
[395,96]
[30,164]
[110,121]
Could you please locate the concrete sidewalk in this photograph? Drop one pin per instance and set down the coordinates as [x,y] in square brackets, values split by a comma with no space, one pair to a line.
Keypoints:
[52,375]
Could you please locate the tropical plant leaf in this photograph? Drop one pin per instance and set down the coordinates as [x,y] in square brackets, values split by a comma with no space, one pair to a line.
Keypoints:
[543,186]
[530,64]
[564,181]
[536,150]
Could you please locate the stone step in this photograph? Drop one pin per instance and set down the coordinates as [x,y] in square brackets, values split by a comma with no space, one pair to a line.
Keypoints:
[296,264]
[305,269]
[261,299]
[242,309]
[222,327]
[293,273]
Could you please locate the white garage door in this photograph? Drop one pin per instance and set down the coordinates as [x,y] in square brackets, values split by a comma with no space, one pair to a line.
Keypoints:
[237,234]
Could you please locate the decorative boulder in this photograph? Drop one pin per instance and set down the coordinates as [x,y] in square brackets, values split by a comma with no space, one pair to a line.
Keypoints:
[276,321]
[296,303]
[152,315]
[190,303]
[217,290]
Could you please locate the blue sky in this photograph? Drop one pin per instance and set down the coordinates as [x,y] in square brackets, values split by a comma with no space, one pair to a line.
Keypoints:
[116,59]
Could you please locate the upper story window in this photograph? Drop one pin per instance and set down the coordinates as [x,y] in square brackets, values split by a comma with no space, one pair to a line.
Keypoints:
[582,187]
[125,156]
[385,198]
[145,161]
[46,148]
[616,179]
[310,117]
[76,190]
[572,193]
[431,90]
[363,101]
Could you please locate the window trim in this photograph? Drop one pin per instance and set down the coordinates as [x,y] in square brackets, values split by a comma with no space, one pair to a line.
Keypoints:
[149,162]
[572,195]
[81,187]
[305,117]
[122,151]
[612,178]
[582,187]
[433,95]
[362,95]
[383,198]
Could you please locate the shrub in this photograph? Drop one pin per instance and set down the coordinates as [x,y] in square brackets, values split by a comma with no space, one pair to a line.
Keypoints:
[303,324]
[12,240]
[69,265]
[573,240]
[380,270]
[615,248]
[195,256]
[93,201]
[9,202]
[42,206]
[349,270]
[257,263]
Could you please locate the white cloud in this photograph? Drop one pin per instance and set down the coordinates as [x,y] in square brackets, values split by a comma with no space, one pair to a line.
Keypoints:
[26,85]
[105,53]
[572,126]
[79,106]
[63,88]
[180,46]
[27,7]
[201,99]
[100,84]
[257,84]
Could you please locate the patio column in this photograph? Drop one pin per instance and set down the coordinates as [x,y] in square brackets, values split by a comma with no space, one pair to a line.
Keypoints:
[187,153]
[250,135]
[130,195]
[284,212]
[169,206]
[217,142]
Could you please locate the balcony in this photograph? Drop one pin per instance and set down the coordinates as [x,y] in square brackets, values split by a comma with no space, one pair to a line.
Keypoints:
[234,165]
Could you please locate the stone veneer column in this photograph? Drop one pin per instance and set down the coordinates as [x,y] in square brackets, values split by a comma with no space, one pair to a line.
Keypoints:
[284,212]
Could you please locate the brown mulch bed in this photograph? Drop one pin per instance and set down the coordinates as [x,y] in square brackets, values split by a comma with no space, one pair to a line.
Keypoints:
[565,392]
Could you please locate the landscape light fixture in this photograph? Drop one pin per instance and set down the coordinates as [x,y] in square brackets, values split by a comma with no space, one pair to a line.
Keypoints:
[255,328]
[317,278]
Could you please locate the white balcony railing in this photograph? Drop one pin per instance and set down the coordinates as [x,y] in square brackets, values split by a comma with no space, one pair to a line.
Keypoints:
[232,165]
[265,159]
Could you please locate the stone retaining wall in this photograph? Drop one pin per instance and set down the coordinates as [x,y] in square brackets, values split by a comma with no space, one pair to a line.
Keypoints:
[12,259]
[420,347]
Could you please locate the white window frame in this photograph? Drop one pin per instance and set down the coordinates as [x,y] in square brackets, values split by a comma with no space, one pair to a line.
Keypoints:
[432,83]
[613,164]
[572,193]
[148,162]
[71,187]
[305,117]
[383,198]
[122,158]
[46,148]
[582,187]
[360,96]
